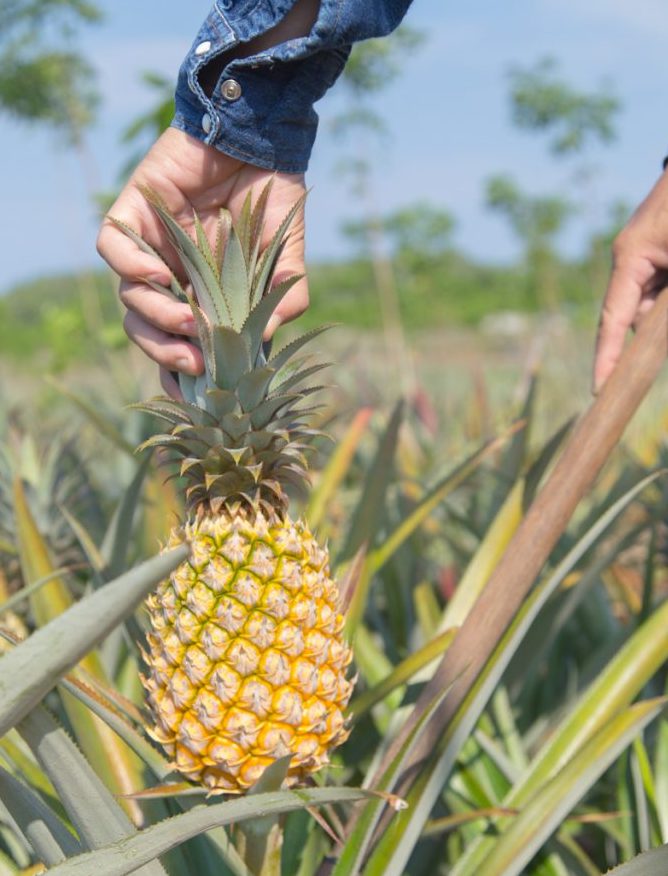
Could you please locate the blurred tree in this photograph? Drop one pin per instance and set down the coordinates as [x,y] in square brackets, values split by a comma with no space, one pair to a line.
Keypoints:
[143,131]
[541,101]
[42,78]
[372,66]
[536,221]
[417,233]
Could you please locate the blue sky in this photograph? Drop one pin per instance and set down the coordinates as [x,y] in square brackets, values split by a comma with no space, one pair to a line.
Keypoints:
[448,115]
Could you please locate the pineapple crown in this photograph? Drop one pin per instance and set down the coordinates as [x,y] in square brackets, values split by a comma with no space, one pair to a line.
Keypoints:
[240,430]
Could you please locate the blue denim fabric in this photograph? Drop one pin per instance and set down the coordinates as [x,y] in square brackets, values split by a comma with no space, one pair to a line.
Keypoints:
[273,123]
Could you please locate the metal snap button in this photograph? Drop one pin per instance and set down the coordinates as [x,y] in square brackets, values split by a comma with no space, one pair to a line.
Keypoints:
[203,48]
[230,89]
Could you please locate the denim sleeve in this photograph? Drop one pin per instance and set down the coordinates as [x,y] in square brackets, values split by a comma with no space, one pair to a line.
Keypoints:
[260,109]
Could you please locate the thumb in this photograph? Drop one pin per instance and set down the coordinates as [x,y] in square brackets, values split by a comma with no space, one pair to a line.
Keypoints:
[296,300]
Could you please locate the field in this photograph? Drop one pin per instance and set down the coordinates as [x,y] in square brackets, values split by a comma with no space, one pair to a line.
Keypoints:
[553,763]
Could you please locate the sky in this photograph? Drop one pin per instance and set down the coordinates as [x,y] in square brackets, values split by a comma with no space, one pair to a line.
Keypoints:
[448,117]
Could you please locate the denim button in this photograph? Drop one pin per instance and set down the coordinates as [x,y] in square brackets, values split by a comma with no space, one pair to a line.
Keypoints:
[203,48]
[230,89]
[206,123]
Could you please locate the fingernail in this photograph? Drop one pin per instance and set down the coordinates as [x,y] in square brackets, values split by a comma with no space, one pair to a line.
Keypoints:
[274,322]
[188,327]
[185,364]
[162,277]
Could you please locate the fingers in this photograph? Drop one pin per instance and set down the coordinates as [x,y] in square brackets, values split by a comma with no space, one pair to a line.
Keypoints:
[123,255]
[160,311]
[293,305]
[619,312]
[170,385]
[290,264]
[172,353]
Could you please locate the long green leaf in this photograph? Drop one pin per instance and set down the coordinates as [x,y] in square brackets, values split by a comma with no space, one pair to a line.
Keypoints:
[354,851]
[549,807]
[93,810]
[149,754]
[154,760]
[116,765]
[30,670]
[487,555]
[427,503]
[135,850]
[114,547]
[652,863]
[45,832]
[400,674]
[399,840]
[235,280]
[368,515]
[102,424]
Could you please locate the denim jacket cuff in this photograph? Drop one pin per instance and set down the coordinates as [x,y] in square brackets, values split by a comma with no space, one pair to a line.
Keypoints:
[257,109]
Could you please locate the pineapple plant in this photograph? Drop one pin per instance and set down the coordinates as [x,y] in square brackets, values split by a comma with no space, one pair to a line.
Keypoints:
[246,658]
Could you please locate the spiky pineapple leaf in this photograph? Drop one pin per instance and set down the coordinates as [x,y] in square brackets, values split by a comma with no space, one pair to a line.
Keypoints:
[125,856]
[651,863]
[204,245]
[298,376]
[90,806]
[223,226]
[31,669]
[175,290]
[402,835]
[37,822]
[280,357]
[256,227]
[361,838]
[234,277]
[256,322]
[368,515]
[272,253]
[253,387]
[203,278]
[232,356]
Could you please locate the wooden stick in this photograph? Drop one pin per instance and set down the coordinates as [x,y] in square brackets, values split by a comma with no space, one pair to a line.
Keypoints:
[591,442]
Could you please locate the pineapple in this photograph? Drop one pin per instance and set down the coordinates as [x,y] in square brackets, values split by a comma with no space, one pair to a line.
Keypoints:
[247,661]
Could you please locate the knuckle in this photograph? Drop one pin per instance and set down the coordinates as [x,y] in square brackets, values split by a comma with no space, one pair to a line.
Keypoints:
[128,322]
[621,246]
[298,302]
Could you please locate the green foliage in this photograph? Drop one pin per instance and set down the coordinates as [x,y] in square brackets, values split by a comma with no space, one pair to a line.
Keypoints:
[42,80]
[536,220]
[374,64]
[416,523]
[146,128]
[541,101]
[46,324]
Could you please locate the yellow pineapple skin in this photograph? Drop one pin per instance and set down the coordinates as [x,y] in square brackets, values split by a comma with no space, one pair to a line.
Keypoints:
[247,660]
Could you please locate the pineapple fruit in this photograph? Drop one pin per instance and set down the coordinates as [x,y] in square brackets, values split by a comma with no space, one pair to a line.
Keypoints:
[247,661]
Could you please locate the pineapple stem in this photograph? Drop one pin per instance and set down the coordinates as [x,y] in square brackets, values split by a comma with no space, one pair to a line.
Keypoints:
[260,843]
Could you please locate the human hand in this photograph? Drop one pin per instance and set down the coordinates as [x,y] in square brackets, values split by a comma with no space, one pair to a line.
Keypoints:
[190,175]
[640,271]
